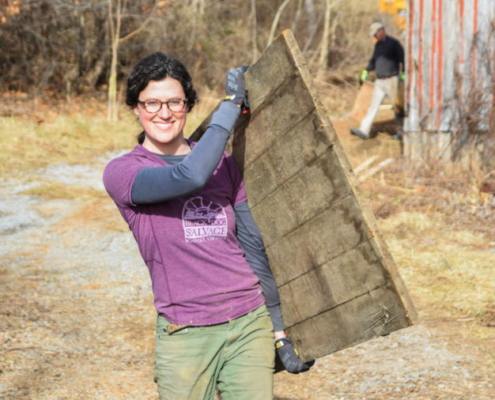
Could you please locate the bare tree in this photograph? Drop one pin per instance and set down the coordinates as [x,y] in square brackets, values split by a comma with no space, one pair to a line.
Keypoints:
[298,15]
[275,21]
[197,9]
[324,45]
[255,29]
[310,9]
[312,34]
[115,21]
[59,47]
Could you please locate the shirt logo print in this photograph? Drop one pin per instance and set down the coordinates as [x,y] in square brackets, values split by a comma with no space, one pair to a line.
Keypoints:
[203,220]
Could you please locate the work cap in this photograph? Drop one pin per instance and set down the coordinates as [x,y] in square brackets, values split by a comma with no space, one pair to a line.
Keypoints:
[375,27]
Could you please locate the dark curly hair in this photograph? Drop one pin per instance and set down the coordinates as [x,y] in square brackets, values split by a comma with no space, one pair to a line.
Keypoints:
[156,67]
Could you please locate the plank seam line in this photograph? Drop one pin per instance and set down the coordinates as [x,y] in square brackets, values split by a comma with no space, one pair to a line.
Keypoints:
[340,304]
[269,97]
[266,103]
[283,136]
[315,100]
[288,179]
[350,193]
[319,266]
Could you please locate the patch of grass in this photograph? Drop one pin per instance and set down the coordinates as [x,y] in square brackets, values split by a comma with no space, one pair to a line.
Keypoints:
[74,137]
[55,190]
[100,212]
[450,271]
[70,139]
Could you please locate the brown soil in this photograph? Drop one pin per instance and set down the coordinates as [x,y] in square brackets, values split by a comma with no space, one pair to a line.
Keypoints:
[77,319]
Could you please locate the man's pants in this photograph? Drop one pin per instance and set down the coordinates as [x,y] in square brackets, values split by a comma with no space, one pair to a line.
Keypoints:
[237,356]
[383,87]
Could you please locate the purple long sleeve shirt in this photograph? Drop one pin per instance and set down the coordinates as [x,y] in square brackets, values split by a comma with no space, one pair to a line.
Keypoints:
[198,271]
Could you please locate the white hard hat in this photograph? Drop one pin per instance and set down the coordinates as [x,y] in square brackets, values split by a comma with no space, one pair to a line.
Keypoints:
[375,27]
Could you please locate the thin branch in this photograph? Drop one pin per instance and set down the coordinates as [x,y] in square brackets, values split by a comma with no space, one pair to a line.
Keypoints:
[144,24]
[298,15]
[312,35]
[255,38]
[275,21]
[110,19]
[375,169]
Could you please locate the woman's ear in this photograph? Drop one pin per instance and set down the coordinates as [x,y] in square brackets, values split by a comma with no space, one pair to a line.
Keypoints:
[135,110]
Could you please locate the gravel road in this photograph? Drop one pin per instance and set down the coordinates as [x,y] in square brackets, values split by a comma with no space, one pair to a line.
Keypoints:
[77,319]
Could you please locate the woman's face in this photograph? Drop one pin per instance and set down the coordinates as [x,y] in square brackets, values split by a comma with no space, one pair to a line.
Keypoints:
[163,129]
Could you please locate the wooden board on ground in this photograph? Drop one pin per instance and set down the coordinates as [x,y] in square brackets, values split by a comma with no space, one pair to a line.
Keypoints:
[338,284]
[362,101]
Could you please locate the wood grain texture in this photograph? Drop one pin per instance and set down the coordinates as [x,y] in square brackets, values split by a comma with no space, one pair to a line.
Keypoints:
[338,284]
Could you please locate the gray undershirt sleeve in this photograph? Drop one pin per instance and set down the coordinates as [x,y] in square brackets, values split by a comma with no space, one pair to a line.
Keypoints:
[155,184]
[251,243]
[192,172]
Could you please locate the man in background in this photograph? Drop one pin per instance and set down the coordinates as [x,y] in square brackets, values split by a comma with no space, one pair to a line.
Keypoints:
[388,62]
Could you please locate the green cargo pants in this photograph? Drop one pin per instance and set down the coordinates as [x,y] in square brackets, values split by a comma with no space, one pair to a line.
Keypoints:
[237,357]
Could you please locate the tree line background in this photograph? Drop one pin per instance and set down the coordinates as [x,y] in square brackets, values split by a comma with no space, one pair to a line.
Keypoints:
[68,47]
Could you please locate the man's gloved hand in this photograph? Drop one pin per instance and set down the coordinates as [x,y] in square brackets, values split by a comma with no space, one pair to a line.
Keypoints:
[290,357]
[235,86]
[364,75]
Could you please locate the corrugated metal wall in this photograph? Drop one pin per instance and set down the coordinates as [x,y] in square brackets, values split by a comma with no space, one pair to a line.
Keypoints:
[450,64]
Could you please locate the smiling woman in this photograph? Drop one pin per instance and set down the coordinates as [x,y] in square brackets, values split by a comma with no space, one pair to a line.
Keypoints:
[160,79]
[164,128]
[186,206]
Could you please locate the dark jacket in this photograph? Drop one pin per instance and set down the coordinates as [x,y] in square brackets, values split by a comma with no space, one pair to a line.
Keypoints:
[387,56]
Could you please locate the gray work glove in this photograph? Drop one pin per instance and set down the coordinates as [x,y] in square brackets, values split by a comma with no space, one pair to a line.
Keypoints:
[290,357]
[235,86]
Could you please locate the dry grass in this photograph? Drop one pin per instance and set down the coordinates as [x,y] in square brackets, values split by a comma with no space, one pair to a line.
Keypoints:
[99,213]
[441,235]
[55,190]
[438,228]
[452,269]
[440,231]
[68,138]
[69,134]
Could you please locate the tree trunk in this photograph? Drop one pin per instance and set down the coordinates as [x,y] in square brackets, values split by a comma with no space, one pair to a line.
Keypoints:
[323,59]
[112,82]
[116,40]
[312,35]
[325,41]
[310,9]
[275,21]
[255,37]
[298,15]
[112,85]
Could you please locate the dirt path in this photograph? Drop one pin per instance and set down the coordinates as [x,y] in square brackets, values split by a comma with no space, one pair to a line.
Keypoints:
[77,320]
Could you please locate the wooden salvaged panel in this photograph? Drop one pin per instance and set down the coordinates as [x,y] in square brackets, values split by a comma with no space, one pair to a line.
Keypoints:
[362,101]
[338,284]
[450,87]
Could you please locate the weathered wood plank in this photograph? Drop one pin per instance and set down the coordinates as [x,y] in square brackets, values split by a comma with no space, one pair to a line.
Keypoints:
[338,283]
[280,113]
[306,195]
[303,144]
[366,317]
[328,235]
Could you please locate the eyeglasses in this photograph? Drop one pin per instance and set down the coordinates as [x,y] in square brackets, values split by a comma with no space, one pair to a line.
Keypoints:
[153,106]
